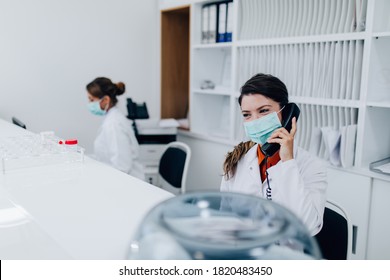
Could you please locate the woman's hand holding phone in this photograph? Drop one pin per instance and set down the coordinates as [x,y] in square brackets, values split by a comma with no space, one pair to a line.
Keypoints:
[286,140]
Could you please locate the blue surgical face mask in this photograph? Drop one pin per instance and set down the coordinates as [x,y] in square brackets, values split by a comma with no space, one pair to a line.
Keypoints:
[94,108]
[260,130]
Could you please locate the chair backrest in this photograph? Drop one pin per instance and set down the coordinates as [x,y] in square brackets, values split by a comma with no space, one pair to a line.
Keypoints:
[173,167]
[335,237]
[18,122]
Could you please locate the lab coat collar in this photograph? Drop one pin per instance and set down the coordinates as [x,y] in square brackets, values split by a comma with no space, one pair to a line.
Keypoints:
[251,155]
[111,113]
[250,161]
[112,110]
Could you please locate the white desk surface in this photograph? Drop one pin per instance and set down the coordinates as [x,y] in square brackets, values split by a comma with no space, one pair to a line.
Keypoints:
[70,211]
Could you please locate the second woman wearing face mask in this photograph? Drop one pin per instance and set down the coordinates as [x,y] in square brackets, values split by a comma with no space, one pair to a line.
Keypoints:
[115,143]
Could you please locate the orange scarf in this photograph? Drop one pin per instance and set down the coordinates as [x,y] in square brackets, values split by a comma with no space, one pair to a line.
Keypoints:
[271,161]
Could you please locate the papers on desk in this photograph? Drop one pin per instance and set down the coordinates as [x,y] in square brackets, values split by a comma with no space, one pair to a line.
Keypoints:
[332,144]
[339,144]
[157,126]
[347,145]
[165,124]
[184,123]
[154,123]
[381,166]
[168,123]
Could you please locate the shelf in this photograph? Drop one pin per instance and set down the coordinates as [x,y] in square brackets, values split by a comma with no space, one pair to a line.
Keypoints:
[326,102]
[381,34]
[365,171]
[212,91]
[211,64]
[332,72]
[212,46]
[303,39]
[380,104]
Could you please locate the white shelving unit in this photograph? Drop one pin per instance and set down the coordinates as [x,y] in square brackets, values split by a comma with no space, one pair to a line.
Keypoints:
[317,48]
[333,56]
[376,128]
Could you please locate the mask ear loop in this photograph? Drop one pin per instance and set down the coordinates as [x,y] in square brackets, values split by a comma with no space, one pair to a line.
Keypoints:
[280,109]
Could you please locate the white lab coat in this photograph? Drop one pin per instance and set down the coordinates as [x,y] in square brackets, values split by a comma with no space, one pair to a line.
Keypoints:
[298,184]
[116,144]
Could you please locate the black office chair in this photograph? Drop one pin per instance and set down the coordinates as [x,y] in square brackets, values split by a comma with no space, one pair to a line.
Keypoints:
[18,123]
[334,239]
[173,167]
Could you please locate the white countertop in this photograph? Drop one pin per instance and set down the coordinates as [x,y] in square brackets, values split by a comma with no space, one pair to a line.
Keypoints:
[70,211]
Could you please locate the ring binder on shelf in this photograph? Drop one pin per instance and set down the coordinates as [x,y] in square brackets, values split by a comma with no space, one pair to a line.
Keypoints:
[212,38]
[217,22]
[229,22]
[222,14]
[205,24]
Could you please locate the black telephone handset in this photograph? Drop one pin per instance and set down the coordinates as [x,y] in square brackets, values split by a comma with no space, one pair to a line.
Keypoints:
[136,111]
[291,110]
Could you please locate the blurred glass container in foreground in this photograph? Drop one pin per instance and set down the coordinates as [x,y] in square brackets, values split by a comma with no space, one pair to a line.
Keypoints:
[221,226]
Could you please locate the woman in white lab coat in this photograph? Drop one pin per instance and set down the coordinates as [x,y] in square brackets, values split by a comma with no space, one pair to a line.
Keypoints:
[291,177]
[115,143]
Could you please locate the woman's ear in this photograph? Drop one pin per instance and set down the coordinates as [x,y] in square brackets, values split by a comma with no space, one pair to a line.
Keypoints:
[107,102]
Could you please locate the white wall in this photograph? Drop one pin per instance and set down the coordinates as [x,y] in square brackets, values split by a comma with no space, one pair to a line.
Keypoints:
[205,169]
[167,4]
[50,50]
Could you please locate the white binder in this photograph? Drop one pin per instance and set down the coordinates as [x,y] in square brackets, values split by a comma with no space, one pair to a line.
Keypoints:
[205,25]
[213,23]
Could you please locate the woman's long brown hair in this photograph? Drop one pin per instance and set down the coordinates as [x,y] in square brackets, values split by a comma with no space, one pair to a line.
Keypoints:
[232,158]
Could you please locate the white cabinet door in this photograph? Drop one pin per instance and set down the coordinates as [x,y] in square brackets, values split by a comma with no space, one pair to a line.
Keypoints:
[352,192]
[378,246]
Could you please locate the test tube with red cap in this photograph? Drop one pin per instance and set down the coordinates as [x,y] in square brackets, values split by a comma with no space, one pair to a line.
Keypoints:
[71,144]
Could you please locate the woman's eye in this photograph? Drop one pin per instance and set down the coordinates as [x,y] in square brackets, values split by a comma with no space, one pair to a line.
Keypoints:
[245,115]
[264,111]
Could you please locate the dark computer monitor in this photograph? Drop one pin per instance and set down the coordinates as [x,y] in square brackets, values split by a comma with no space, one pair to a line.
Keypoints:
[18,122]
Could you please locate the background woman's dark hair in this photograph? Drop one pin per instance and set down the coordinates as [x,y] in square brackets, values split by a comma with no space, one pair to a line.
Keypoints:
[268,86]
[101,87]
